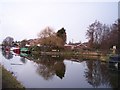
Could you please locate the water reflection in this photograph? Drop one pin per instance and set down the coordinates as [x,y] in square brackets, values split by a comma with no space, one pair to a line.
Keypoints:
[48,66]
[56,71]
[7,54]
[23,60]
[97,74]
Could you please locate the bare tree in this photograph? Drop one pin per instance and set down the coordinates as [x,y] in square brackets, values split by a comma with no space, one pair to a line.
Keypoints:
[89,35]
[93,34]
[53,40]
[105,37]
[47,32]
[48,37]
[102,36]
[8,41]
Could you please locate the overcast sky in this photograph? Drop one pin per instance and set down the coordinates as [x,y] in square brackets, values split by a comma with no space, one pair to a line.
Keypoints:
[24,19]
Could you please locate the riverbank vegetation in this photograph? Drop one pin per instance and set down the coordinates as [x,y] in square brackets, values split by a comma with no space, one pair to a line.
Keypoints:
[102,41]
[103,37]
[9,81]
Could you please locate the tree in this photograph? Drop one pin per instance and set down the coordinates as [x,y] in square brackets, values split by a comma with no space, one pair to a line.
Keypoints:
[94,34]
[90,34]
[23,43]
[62,34]
[47,32]
[8,41]
[48,38]
[52,41]
[105,37]
[119,35]
[102,36]
[115,35]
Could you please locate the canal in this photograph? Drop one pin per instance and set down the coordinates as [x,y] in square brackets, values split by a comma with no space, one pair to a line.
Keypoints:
[59,72]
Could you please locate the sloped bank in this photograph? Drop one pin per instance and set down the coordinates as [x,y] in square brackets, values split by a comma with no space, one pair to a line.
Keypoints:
[9,81]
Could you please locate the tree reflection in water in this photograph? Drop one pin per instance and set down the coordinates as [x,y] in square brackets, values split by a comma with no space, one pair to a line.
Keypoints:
[48,66]
[7,54]
[97,73]
[59,69]
[45,71]
[23,60]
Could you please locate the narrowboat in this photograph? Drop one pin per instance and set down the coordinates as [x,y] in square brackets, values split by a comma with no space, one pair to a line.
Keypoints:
[114,62]
[25,50]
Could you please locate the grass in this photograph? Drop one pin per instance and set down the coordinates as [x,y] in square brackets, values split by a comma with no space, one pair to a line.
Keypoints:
[9,81]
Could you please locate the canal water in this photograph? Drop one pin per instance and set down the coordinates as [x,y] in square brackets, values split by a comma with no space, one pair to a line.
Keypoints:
[59,72]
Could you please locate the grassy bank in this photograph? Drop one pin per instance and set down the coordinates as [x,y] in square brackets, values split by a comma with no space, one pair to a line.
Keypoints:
[8,81]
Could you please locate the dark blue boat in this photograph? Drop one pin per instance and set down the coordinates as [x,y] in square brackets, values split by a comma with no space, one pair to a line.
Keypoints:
[114,62]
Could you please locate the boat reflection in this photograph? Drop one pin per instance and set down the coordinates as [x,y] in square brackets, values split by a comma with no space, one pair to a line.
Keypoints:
[45,70]
[7,54]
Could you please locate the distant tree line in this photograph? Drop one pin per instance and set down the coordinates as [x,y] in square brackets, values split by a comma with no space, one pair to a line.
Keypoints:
[102,36]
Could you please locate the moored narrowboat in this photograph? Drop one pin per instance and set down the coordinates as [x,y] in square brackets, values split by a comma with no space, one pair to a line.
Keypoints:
[114,62]
[25,50]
